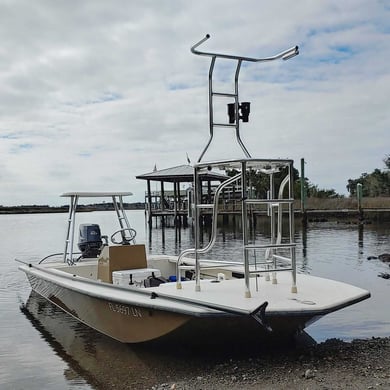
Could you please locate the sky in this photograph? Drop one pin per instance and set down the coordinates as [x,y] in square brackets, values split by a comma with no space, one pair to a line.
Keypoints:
[94,93]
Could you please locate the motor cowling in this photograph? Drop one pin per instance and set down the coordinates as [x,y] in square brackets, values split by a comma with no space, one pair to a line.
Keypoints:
[90,240]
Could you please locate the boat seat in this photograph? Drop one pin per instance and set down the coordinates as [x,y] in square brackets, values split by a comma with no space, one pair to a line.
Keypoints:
[120,257]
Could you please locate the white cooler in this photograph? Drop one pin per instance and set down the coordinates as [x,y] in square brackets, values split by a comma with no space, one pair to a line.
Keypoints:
[133,277]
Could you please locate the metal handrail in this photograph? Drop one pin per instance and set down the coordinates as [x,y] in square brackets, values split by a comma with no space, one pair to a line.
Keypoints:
[285,55]
[213,229]
[271,248]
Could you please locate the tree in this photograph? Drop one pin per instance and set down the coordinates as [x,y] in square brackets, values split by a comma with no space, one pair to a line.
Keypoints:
[376,183]
[386,160]
[260,184]
[315,192]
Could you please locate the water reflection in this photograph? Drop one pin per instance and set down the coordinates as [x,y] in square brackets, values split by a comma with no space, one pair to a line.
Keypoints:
[315,241]
[104,363]
[361,235]
[101,362]
[167,240]
[304,263]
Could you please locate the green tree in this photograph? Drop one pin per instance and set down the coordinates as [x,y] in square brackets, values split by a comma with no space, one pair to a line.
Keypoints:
[386,160]
[259,182]
[315,192]
[376,183]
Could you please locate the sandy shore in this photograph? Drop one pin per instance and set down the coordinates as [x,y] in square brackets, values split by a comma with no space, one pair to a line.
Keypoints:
[334,364]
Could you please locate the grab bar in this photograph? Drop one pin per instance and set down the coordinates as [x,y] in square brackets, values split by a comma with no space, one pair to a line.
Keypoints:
[284,55]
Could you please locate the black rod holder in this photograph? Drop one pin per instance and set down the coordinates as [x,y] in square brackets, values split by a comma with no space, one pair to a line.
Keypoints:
[244,109]
[231,112]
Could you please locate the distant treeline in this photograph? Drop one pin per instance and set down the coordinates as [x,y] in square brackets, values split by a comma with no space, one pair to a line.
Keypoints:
[33,209]
[376,183]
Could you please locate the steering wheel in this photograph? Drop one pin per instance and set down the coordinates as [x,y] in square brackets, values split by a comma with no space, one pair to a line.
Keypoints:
[125,238]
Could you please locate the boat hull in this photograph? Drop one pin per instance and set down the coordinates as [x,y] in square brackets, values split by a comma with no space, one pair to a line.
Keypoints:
[219,313]
[125,323]
[134,324]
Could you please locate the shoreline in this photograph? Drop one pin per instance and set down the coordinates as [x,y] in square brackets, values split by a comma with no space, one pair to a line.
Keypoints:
[312,210]
[365,217]
[44,209]
[332,364]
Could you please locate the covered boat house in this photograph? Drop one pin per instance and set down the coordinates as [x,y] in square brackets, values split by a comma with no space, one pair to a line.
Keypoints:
[176,200]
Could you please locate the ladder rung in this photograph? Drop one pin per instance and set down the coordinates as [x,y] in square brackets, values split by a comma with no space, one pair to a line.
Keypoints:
[224,94]
[269,246]
[269,201]
[187,266]
[224,124]
[205,206]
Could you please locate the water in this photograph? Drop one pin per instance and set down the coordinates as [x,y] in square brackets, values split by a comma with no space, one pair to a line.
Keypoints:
[43,348]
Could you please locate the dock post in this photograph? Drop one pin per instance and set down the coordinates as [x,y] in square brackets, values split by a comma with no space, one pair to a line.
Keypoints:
[359,194]
[303,193]
[149,204]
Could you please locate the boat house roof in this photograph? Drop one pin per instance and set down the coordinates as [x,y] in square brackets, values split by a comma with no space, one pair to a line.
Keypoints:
[179,174]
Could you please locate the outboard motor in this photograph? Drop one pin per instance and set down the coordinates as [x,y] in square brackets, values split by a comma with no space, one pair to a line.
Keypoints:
[90,240]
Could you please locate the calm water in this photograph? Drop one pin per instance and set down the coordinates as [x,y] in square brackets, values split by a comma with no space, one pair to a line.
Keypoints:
[43,348]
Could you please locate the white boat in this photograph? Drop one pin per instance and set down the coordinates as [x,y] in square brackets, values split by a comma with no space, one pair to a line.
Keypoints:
[119,290]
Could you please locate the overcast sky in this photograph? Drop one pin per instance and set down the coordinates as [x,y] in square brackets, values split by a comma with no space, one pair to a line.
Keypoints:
[93,93]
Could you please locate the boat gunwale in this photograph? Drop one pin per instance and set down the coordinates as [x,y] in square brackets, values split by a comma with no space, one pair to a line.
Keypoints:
[196,310]
[40,273]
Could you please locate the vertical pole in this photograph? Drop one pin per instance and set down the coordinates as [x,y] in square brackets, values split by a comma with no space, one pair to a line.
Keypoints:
[294,288]
[162,196]
[244,195]
[75,201]
[72,206]
[149,203]
[359,193]
[175,203]
[273,223]
[162,206]
[211,113]
[303,192]
[197,201]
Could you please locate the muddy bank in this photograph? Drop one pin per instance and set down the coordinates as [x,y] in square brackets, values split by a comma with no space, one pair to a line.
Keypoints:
[334,364]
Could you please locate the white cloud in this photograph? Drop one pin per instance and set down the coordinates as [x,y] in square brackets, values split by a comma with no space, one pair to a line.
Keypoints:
[94,93]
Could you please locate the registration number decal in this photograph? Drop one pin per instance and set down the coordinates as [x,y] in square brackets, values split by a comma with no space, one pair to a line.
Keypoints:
[125,310]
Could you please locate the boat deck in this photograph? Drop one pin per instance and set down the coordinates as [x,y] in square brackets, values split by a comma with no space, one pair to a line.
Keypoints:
[314,294]
[317,296]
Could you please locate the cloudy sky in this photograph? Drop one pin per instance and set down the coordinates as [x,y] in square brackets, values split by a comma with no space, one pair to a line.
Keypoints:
[93,93]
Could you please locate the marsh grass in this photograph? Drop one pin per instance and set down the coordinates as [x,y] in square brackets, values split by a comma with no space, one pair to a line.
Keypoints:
[344,203]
